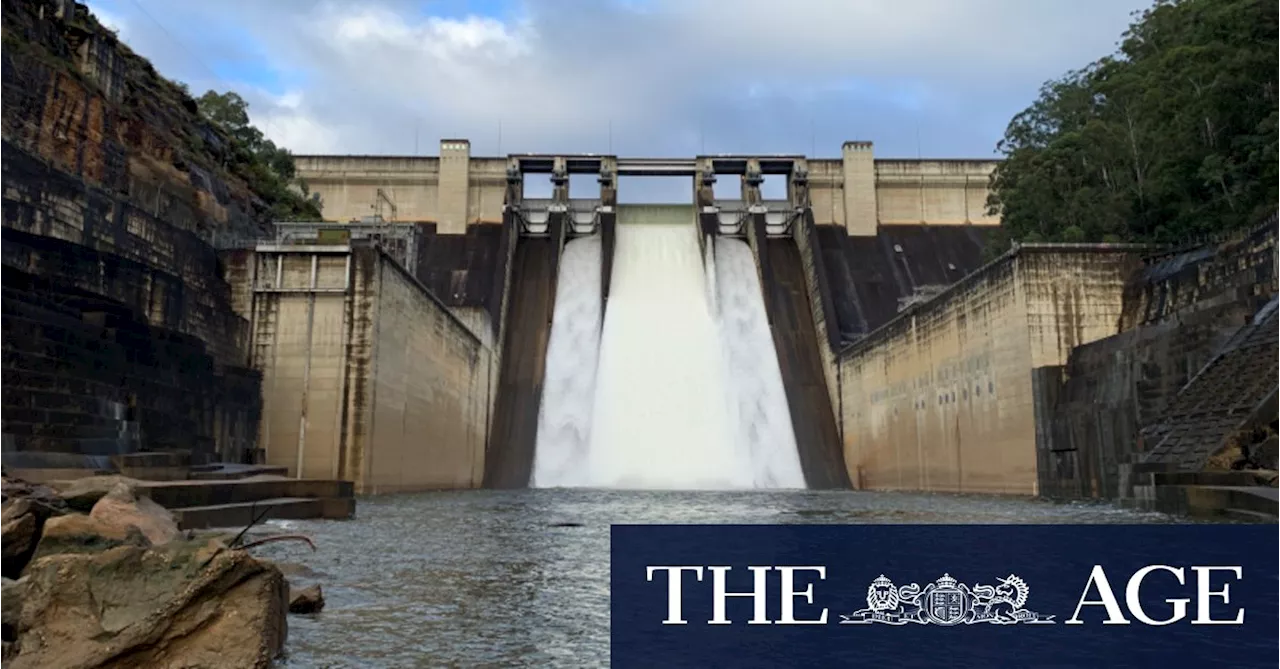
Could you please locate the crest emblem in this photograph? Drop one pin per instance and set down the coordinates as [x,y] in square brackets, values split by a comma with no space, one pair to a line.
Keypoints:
[946,602]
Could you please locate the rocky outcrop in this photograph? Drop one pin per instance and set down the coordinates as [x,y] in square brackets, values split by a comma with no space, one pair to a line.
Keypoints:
[78,533]
[83,493]
[121,587]
[11,598]
[184,605]
[123,508]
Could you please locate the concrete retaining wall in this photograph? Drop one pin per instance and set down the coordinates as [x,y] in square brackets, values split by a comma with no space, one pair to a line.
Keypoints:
[1179,310]
[368,377]
[940,398]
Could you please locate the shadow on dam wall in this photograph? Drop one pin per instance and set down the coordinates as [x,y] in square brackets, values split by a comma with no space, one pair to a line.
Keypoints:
[796,340]
[509,461]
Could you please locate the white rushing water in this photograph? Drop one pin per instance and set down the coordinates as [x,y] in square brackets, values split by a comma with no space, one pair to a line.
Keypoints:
[681,388]
[661,418]
[568,388]
[761,413]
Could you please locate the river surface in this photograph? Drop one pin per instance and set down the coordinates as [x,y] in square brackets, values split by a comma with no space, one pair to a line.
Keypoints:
[490,578]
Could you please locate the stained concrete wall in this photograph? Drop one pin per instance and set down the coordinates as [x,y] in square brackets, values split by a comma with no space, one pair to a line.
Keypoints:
[940,398]
[367,376]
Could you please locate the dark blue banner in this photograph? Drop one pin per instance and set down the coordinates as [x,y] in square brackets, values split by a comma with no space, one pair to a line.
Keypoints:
[944,596]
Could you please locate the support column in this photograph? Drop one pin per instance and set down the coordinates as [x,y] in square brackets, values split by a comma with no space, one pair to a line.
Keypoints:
[704,183]
[608,227]
[453,187]
[751,181]
[515,185]
[860,212]
[608,182]
[798,186]
[704,198]
[560,182]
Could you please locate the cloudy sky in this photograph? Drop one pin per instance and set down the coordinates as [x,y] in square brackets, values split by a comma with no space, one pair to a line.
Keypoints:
[938,78]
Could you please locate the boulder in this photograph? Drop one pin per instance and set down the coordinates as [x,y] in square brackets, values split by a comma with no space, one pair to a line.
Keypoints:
[45,501]
[180,606]
[122,507]
[83,493]
[78,533]
[20,535]
[307,600]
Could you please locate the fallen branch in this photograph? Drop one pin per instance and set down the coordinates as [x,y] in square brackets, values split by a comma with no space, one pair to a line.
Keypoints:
[235,543]
[279,537]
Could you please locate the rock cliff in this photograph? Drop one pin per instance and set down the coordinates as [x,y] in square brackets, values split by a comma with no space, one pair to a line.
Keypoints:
[119,329]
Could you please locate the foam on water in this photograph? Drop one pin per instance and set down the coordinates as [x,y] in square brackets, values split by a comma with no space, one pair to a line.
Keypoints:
[568,389]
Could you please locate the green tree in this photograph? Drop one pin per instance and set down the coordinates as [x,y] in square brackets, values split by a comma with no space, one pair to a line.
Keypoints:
[1175,135]
[268,168]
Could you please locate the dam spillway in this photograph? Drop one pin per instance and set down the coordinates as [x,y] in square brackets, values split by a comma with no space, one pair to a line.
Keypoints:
[564,422]
[681,387]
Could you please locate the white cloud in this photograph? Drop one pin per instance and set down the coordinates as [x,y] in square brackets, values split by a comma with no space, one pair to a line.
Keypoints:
[670,76]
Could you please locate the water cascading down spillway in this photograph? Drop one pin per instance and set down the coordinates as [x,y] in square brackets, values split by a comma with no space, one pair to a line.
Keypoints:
[678,387]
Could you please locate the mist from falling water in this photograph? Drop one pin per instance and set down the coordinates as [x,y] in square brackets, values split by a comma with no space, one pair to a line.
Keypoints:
[680,389]
[568,387]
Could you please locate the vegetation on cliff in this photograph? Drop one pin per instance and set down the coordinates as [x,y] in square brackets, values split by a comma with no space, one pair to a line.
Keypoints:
[1172,137]
[269,168]
[81,100]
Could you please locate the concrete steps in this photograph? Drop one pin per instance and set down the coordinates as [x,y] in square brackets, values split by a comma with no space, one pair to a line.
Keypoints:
[229,472]
[184,494]
[1216,401]
[283,508]
[234,503]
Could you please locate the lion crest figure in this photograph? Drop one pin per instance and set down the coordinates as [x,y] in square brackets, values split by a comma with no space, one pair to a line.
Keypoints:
[882,595]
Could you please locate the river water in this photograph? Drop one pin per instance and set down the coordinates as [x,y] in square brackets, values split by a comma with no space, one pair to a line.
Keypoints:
[490,578]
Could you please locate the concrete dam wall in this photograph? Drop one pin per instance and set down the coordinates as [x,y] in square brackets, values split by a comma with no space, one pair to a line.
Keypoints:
[1129,401]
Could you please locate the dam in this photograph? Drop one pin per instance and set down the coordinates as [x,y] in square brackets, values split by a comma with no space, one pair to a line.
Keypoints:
[844,332]
[440,328]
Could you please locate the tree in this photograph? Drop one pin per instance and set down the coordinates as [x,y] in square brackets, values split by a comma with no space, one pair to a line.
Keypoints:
[1175,135]
[269,169]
